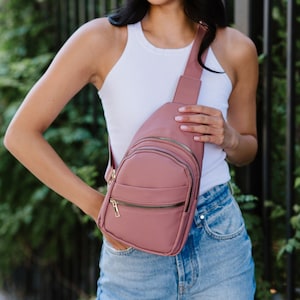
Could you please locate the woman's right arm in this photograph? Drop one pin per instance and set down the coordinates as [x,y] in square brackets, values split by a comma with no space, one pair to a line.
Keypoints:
[78,63]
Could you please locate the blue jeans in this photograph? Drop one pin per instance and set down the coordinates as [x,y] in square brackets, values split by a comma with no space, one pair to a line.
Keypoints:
[215,264]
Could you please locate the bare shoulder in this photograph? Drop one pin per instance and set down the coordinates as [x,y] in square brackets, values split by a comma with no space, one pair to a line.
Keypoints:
[102,44]
[237,43]
[102,33]
[234,51]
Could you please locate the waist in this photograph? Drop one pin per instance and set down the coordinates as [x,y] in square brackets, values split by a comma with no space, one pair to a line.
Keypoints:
[216,196]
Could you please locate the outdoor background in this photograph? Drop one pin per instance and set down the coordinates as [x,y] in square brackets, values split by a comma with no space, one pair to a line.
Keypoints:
[48,248]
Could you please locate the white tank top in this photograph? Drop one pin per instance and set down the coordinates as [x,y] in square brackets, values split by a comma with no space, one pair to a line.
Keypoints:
[144,78]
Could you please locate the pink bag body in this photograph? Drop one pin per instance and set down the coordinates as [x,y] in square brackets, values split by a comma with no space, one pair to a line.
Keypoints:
[152,195]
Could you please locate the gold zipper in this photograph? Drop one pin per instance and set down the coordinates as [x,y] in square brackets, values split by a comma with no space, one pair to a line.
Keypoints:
[112,176]
[115,204]
[184,146]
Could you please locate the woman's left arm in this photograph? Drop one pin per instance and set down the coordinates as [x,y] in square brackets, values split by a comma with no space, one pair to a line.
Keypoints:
[237,135]
[241,146]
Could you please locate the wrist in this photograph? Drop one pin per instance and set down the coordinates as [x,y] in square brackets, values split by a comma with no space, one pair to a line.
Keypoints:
[233,143]
[93,205]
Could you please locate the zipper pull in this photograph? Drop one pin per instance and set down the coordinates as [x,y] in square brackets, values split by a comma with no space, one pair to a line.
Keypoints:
[112,176]
[116,208]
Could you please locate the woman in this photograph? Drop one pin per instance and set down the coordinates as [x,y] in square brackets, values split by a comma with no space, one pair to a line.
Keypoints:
[132,58]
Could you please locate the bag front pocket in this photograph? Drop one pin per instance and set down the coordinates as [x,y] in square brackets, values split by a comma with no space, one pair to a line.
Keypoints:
[153,226]
[150,197]
[116,203]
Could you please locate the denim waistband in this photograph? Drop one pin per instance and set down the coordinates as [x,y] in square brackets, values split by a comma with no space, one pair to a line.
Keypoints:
[216,196]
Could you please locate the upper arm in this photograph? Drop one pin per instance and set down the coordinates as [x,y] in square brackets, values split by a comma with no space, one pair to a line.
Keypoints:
[75,65]
[242,102]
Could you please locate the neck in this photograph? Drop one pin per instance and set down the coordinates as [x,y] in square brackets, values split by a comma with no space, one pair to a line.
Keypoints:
[167,26]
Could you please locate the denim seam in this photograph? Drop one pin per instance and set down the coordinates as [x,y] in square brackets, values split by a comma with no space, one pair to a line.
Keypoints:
[219,236]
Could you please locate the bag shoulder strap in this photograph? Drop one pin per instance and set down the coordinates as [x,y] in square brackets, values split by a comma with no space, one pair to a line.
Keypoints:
[189,83]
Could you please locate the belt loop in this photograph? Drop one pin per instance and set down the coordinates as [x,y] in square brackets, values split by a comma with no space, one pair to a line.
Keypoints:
[230,185]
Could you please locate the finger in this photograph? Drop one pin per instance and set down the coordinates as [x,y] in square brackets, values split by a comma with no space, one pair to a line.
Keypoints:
[197,119]
[203,129]
[200,119]
[199,109]
[217,140]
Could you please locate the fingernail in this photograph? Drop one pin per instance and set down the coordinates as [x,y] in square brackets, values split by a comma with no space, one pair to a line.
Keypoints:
[178,118]
[181,109]
[183,127]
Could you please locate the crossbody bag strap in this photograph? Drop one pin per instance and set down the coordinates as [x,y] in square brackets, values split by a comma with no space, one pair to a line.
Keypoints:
[189,83]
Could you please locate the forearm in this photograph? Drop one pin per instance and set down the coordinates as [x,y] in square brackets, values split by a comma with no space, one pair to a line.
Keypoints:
[33,151]
[242,150]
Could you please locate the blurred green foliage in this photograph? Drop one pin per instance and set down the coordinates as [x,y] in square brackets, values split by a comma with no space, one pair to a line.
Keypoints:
[277,203]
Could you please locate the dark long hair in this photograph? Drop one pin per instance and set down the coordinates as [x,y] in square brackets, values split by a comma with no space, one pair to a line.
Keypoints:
[211,13]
